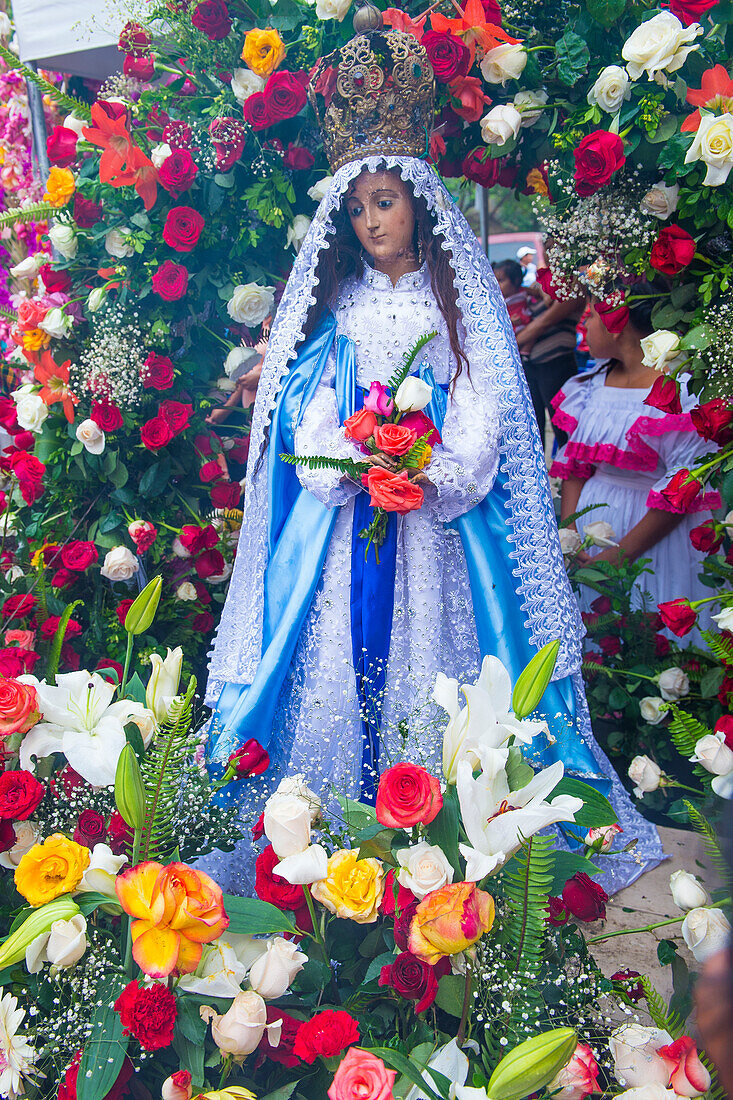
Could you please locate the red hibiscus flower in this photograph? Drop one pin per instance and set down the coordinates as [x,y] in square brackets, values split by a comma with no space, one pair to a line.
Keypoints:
[148,1014]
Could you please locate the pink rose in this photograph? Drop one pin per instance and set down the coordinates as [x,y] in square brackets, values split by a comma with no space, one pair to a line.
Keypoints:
[378,400]
[688,1076]
[579,1078]
[362,1076]
[23,638]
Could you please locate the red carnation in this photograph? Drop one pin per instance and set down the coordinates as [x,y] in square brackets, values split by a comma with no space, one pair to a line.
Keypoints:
[448,55]
[251,759]
[106,416]
[176,414]
[713,421]
[283,1052]
[298,159]
[61,146]
[285,94]
[158,373]
[226,494]
[678,616]
[706,538]
[155,434]
[170,281]
[325,1035]
[148,1014]
[20,795]
[673,250]
[20,606]
[584,898]
[412,979]
[177,172]
[55,282]
[182,228]
[91,829]
[681,490]
[407,795]
[78,555]
[665,395]
[598,156]
[211,17]
[210,564]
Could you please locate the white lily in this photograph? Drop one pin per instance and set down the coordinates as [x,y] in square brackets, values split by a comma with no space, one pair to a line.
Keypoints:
[165,676]
[81,721]
[498,820]
[485,721]
[220,972]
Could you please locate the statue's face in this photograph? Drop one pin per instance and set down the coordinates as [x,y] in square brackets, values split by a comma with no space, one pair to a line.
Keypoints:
[381,211]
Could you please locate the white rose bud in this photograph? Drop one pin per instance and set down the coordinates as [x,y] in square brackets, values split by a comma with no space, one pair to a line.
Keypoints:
[423,867]
[31,410]
[600,533]
[635,1059]
[713,145]
[287,823]
[245,83]
[239,1031]
[712,753]
[673,683]
[332,9]
[601,837]
[159,154]
[250,304]
[120,564]
[56,323]
[687,891]
[661,200]
[177,1087]
[661,350]
[724,619]
[67,941]
[91,436]
[644,774]
[71,122]
[652,709]
[502,63]
[29,267]
[610,89]
[705,931]
[570,541]
[413,395]
[186,592]
[100,875]
[297,232]
[96,299]
[64,240]
[27,834]
[304,868]
[115,242]
[501,124]
[654,1091]
[320,189]
[272,974]
[659,45]
[529,105]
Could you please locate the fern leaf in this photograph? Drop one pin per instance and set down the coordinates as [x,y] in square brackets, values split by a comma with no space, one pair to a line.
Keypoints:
[720,646]
[327,462]
[58,639]
[416,453]
[527,887]
[403,370]
[685,730]
[8,314]
[161,775]
[33,212]
[715,854]
[68,102]
[576,515]
[590,668]
[667,1021]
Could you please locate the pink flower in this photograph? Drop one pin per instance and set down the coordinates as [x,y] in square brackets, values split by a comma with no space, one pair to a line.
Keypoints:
[579,1078]
[601,837]
[362,1076]
[688,1076]
[22,638]
[378,400]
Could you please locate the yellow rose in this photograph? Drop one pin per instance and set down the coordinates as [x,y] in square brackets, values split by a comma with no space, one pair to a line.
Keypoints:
[35,338]
[50,869]
[449,920]
[353,887]
[263,51]
[60,186]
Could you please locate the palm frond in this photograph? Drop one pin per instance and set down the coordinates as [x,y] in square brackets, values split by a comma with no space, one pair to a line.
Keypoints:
[161,772]
[410,356]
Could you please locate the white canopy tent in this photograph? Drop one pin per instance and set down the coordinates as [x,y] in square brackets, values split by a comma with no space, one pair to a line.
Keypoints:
[69,36]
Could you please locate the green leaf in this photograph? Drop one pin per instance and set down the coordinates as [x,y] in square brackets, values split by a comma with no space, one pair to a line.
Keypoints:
[567,864]
[357,815]
[252,917]
[191,1056]
[188,1020]
[283,1093]
[596,811]
[443,830]
[606,12]
[135,689]
[450,993]
[573,56]
[90,901]
[375,966]
[106,1047]
[699,337]
[378,846]
[518,771]
[399,1062]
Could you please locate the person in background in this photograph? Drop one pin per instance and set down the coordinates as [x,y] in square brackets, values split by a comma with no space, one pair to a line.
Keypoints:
[245,389]
[526,257]
[547,347]
[509,276]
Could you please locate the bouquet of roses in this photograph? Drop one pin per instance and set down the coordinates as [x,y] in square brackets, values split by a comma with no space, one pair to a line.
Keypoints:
[397,435]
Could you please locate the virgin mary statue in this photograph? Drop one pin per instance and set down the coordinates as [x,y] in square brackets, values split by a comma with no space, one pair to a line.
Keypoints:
[326,656]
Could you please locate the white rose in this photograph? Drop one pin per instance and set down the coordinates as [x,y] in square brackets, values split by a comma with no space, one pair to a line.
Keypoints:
[727,521]
[30,410]
[705,931]
[652,711]
[713,145]
[162,686]
[304,868]
[600,533]
[56,323]
[6,27]
[71,122]
[661,350]
[239,1031]
[287,823]
[645,774]
[413,395]
[179,549]
[250,304]
[296,784]
[64,240]
[570,541]
[610,89]
[159,154]
[712,753]
[423,867]
[14,574]
[273,973]
[100,875]
[662,43]
[661,200]
[648,1092]
[501,124]
[96,299]
[186,591]
[332,9]
[687,891]
[245,83]
[673,683]
[724,619]
[120,564]
[297,232]
[91,436]
[29,267]
[502,63]
[320,189]
[67,941]
[169,1090]
[27,833]
[237,358]
[635,1059]
[115,242]
[529,105]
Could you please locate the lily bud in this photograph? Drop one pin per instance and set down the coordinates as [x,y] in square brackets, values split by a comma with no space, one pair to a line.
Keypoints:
[533,680]
[533,1064]
[129,788]
[39,922]
[142,610]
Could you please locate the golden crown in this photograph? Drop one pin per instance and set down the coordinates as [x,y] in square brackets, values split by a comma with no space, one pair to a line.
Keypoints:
[379,92]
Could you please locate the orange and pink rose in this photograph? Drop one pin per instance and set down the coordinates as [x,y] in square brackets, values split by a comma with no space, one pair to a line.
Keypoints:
[19,709]
[393,492]
[362,1076]
[394,439]
[407,795]
[450,920]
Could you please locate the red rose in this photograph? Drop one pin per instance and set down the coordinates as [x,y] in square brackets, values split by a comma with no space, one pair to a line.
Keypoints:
[20,795]
[210,564]
[211,17]
[203,623]
[285,94]
[178,135]
[614,313]
[148,1014]
[678,616]
[483,169]
[690,11]
[726,691]
[258,829]
[240,451]
[392,492]
[681,490]
[202,592]
[106,416]
[705,538]
[134,38]
[724,725]
[78,555]
[713,421]
[271,887]
[61,146]
[155,434]
[170,281]
[120,834]
[412,979]
[7,835]
[16,661]
[360,425]
[52,623]
[633,990]
[665,395]
[256,111]
[672,250]
[492,12]
[557,913]
[610,645]
[283,1052]
[86,212]
[8,418]
[121,610]
[661,645]
[70,659]
[182,228]
[394,439]
[407,795]
[106,665]
[210,471]
[226,494]
[19,607]
[396,897]
[195,539]
[177,172]
[25,441]
[176,414]
[158,372]
[29,472]
[402,922]
[448,55]
[251,759]
[156,121]
[298,159]
[139,68]
[598,156]
[228,136]
[55,282]
[585,899]
[143,533]
[326,1034]
[90,829]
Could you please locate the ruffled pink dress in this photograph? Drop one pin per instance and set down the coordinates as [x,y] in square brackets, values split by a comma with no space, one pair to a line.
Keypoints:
[626,452]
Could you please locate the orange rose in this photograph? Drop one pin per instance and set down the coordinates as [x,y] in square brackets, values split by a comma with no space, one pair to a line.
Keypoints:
[176,910]
[394,439]
[393,492]
[468,90]
[60,186]
[360,425]
[263,51]
[449,920]
[18,706]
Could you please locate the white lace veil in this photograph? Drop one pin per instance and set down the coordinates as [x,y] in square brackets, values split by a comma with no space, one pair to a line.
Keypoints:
[548,605]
